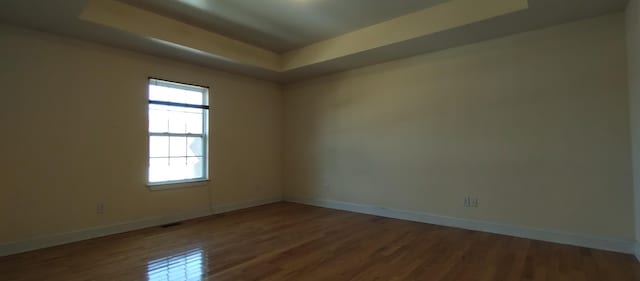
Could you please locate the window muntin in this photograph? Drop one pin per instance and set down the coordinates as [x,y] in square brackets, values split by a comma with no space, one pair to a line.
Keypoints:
[178,132]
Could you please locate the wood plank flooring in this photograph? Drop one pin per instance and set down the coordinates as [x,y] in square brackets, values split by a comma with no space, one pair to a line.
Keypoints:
[286,241]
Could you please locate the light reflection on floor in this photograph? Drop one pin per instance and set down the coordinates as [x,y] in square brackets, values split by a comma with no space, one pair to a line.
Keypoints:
[187,266]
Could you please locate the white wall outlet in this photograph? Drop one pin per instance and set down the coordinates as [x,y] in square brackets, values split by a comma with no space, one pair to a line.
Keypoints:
[471,202]
[100,208]
[475,202]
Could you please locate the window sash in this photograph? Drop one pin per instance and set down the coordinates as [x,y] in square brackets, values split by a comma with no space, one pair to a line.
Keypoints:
[204,157]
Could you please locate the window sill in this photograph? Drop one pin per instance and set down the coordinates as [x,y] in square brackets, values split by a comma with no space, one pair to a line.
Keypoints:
[177,184]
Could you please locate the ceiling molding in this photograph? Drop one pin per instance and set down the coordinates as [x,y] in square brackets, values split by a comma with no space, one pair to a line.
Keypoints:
[442,17]
[143,23]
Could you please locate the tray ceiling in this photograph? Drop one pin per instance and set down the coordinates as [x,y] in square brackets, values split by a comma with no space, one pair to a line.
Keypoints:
[287,40]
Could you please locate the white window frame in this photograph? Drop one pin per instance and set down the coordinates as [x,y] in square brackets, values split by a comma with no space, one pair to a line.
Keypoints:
[204,136]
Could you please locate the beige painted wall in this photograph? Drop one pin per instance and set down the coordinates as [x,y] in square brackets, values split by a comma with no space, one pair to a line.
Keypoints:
[633,54]
[536,125]
[73,124]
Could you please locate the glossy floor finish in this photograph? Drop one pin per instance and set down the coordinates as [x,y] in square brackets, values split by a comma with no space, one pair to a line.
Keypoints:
[287,241]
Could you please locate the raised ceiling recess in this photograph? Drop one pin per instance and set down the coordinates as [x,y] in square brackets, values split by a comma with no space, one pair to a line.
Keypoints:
[283,25]
[287,40]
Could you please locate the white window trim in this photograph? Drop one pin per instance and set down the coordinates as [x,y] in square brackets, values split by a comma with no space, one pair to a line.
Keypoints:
[167,185]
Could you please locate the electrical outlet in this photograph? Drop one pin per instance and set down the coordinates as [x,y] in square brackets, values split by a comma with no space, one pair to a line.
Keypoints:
[471,202]
[474,202]
[100,208]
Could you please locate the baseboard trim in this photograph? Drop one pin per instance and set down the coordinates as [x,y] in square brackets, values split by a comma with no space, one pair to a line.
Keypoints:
[614,245]
[244,204]
[100,231]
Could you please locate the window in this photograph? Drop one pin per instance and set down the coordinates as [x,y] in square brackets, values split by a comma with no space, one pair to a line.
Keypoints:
[178,131]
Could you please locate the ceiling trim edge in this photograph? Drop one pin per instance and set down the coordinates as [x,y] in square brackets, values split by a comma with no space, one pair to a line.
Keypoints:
[442,17]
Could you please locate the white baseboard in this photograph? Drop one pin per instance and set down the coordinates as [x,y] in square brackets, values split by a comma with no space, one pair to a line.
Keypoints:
[623,246]
[99,231]
[244,204]
[601,243]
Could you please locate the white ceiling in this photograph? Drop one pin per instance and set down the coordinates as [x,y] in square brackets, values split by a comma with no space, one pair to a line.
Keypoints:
[283,25]
[293,27]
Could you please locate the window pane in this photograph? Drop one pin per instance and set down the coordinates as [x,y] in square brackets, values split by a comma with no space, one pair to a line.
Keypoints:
[178,95]
[192,97]
[180,169]
[158,93]
[177,146]
[177,163]
[175,168]
[159,169]
[194,122]
[158,120]
[195,147]
[196,166]
[177,122]
[158,146]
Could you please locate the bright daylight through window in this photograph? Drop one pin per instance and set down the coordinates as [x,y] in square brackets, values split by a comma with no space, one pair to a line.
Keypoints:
[178,130]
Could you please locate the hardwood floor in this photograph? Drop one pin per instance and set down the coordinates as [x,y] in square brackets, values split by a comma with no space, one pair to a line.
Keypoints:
[287,241]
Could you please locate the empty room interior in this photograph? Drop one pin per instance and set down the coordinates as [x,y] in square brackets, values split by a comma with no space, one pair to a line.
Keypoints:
[320,140]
